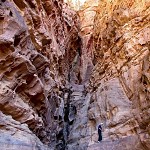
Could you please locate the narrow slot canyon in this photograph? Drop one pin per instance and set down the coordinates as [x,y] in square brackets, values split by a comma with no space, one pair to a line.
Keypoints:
[67,66]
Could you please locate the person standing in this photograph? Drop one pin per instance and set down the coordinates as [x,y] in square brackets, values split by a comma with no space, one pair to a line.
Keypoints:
[100,133]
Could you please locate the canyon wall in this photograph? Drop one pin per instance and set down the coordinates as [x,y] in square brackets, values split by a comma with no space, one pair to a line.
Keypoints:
[80,97]
[63,72]
[38,42]
[114,72]
[119,84]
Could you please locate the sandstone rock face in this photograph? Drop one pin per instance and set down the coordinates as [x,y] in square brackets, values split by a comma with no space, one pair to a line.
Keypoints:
[63,72]
[38,41]
[119,85]
[80,98]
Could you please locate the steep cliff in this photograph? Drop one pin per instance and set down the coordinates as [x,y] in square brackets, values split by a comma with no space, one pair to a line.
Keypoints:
[63,72]
[38,42]
[119,85]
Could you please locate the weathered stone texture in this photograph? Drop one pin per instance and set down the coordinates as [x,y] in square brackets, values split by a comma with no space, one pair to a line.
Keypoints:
[38,41]
[120,79]
[79,134]
[61,76]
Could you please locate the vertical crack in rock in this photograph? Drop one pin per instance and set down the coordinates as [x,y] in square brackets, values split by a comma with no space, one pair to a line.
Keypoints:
[69,106]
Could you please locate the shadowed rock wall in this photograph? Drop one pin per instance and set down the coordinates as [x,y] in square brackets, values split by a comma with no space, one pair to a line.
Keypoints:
[61,76]
[38,41]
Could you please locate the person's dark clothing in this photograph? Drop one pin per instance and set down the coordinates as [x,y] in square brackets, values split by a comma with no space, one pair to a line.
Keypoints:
[100,133]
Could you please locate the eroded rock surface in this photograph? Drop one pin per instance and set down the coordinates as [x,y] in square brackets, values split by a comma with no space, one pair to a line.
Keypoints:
[63,72]
[38,41]
[120,79]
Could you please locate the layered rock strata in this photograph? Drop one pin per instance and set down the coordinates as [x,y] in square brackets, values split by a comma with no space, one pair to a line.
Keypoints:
[61,76]
[38,41]
[119,85]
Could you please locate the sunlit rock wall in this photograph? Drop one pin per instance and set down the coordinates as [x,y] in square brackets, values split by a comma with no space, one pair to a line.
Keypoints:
[120,81]
[60,76]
